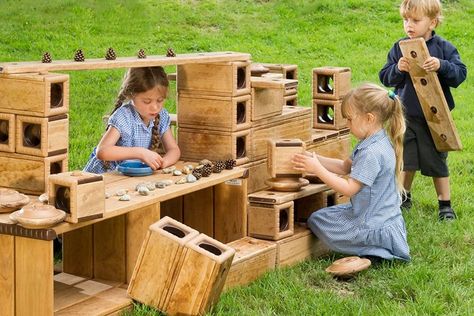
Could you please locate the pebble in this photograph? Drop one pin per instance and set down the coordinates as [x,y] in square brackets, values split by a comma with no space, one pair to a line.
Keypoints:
[190,178]
[143,190]
[177,173]
[121,192]
[169,169]
[181,181]
[124,197]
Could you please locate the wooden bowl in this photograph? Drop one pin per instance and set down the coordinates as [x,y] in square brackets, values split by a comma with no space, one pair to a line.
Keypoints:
[11,200]
[348,266]
[287,184]
[38,215]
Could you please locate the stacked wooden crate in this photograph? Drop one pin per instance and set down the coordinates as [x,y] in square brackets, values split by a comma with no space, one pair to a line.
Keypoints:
[34,128]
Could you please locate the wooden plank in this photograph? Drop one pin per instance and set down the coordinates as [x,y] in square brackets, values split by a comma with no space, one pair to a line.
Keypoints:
[109,249]
[172,208]
[253,258]
[121,62]
[198,211]
[275,197]
[431,96]
[339,147]
[136,226]
[230,210]
[7,275]
[78,252]
[34,276]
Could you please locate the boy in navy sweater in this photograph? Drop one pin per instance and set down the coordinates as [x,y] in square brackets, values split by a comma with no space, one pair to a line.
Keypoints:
[420,18]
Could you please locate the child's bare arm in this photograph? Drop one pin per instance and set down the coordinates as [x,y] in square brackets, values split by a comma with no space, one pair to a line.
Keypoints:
[172,150]
[338,166]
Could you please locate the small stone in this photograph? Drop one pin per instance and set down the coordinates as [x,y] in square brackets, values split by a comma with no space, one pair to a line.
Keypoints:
[141,184]
[169,169]
[107,195]
[177,173]
[190,178]
[181,181]
[143,190]
[160,185]
[121,192]
[124,197]
[187,170]
[43,198]
[205,162]
[150,186]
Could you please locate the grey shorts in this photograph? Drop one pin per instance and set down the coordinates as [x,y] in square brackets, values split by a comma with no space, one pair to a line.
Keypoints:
[419,150]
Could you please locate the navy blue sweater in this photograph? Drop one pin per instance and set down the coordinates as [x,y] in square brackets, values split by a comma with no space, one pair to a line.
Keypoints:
[452,73]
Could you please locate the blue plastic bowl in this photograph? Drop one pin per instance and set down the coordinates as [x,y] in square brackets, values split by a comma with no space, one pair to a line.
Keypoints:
[134,168]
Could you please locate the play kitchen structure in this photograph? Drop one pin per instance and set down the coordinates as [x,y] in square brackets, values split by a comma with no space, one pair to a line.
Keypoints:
[123,240]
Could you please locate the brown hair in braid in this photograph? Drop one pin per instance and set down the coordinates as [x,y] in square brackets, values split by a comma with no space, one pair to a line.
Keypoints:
[138,80]
[387,108]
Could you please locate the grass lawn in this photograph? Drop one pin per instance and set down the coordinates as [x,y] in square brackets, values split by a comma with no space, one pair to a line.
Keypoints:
[352,33]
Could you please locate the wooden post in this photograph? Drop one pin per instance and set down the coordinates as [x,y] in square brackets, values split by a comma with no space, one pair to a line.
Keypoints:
[7,275]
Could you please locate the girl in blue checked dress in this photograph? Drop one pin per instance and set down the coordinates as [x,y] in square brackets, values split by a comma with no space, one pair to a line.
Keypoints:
[371,225]
[137,124]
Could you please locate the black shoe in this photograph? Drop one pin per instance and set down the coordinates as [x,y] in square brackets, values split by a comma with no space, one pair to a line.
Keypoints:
[406,204]
[446,213]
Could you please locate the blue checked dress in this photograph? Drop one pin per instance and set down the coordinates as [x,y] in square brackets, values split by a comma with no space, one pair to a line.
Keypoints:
[133,133]
[372,224]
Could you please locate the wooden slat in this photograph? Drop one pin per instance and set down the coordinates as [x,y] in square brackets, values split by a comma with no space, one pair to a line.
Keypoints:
[198,211]
[431,96]
[172,208]
[121,62]
[7,275]
[78,252]
[275,197]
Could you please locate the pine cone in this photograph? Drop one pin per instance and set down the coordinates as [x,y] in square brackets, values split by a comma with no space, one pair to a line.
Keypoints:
[197,174]
[110,54]
[230,164]
[79,55]
[46,58]
[206,170]
[170,53]
[141,53]
[219,165]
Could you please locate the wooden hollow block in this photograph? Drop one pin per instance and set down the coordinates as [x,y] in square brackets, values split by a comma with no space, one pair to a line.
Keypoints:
[299,247]
[48,94]
[201,278]
[42,136]
[198,210]
[331,82]
[291,100]
[29,174]
[253,257]
[7,132]
[196,145]
[338,146]
[268,96]
[307,205]
[288,71]
[431,96]
[220,79]
[280,153]
[272,222]
[258,173]
[159,262]
[80,194]
[228,114]
[328,114]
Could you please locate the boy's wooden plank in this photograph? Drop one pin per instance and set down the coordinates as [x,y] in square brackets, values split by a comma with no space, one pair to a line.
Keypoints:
[121,62]
[7,275]
[431,96]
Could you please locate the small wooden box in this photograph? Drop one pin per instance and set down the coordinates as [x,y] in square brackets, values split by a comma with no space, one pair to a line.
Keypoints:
[253,258]
[331,82]
[305,206]
[288,71]
[42,136]
[159,262]
[220,79]
[258,173]
[198,144]
[228,114]
[201,278]
[47,95]
[328,114]
[268,96]
[80,194]
[7,132]
[272,222]
[29,174]
[280,153]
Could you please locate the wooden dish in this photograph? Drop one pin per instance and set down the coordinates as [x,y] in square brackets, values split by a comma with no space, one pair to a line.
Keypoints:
[38,215]
[348,266]
[287,184]
[11,200]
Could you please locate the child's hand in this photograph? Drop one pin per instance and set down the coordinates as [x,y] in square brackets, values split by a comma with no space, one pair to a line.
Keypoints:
[308,164]
[151,158]
[403,64]
[431,64]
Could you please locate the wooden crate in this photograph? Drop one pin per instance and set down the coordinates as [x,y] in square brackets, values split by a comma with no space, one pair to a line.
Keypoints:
[431,97]
[220,79]
[42,136]
[258,173]
[331,82]
[48,94]
[7,132]
[29,174]
[327,114]
[159,262]
[227,114]
[80,194]
[253,257]
[305,206]
[299,247]
[272,222]
[201,278]
[280,153]
[267,97]
[196,144]
[287,70]
[295,122]
[198,211]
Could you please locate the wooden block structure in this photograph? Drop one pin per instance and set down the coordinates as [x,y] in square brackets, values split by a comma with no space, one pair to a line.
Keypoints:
[271,222]
[161,257]
[7,132]
[280,153]
[305,206]
[287,70]
[257,174]
[80,194]
[431,96]
[328,114]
